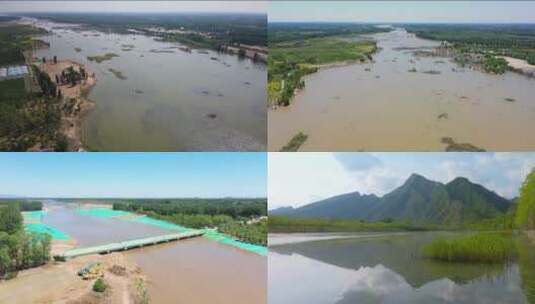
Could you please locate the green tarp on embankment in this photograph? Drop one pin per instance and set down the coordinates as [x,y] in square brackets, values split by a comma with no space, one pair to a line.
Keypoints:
[42,228]
[33,223]
[225,239]
[159,223]
[33,216]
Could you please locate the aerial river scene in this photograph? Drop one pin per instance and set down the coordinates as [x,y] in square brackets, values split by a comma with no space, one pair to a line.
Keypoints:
[142,250]
[372,86]
[267,152]
[154,103]
[147,80]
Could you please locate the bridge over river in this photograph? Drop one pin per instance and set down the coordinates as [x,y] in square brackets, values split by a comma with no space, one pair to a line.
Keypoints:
[127,245]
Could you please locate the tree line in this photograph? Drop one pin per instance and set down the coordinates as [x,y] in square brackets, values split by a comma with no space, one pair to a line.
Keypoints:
[234,208]
[525,209]
[23,205]
[26,119]
[516,41]
[235,217]
[19,249]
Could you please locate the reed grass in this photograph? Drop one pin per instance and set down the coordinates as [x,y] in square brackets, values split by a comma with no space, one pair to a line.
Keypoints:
[481,247]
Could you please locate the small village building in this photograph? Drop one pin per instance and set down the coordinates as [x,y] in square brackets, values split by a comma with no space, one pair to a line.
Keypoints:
[13,72]
[17,71]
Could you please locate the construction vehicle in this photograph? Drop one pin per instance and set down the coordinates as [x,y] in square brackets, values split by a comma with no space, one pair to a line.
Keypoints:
[91,271]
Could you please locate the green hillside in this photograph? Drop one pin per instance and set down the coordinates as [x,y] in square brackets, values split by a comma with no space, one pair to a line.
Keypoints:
[418,200]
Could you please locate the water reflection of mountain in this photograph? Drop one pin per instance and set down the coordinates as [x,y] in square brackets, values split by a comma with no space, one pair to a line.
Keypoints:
[400,254]
[382,285]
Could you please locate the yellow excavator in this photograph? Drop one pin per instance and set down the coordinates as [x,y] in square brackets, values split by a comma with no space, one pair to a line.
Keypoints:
[91,271]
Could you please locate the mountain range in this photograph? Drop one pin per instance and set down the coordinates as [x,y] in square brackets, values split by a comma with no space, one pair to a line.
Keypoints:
[418,200]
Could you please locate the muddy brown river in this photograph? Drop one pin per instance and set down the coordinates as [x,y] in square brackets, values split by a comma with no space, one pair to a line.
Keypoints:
[381,106]
[200,271]
[188,271]
[169,99]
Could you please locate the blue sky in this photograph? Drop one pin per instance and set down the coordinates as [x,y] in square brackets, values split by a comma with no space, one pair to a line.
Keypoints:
[403,11]
[133,174]
[296,179]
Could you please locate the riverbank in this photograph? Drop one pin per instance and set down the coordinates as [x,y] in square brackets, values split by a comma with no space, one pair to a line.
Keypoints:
[74,102]
[58,282]
[514,44]
[520,66]
[290,61]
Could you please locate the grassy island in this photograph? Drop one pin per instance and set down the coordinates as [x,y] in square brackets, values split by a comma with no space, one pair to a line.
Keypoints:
[101,58]
[300,49]
[481,247]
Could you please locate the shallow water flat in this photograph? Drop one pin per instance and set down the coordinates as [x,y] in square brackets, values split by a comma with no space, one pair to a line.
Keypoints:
[153,96]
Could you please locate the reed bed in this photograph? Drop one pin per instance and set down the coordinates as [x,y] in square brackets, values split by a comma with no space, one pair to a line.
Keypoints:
[481,247]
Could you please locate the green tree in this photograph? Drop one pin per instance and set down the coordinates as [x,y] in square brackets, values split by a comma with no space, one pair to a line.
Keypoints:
[10,218]
[62,144]
[525,212]
[99,285]
[5,260]
[20,249]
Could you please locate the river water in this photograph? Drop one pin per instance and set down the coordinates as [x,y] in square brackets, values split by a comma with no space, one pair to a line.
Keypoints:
[381,106]
[171,100]
[374,268]
[193,271]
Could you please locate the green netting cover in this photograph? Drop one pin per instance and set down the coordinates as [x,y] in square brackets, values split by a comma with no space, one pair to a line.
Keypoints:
[103,212]
[159,223]
[42,228]
[225,239]
[33,215]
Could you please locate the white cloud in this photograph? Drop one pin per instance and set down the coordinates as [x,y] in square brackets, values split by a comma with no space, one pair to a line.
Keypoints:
[296,179]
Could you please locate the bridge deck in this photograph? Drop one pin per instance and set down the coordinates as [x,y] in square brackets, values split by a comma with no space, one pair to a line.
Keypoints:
[130,244]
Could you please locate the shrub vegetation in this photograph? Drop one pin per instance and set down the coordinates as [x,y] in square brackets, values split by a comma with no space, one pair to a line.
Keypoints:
[99,285]
[481,247]
[525,211]
[236,217]
[18,248]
